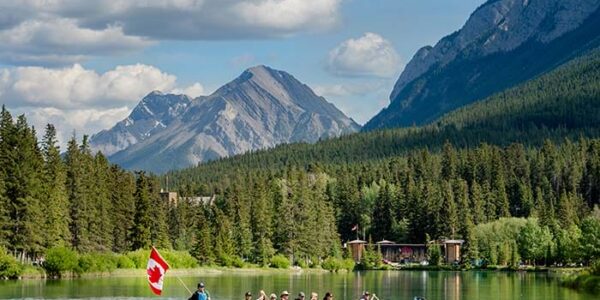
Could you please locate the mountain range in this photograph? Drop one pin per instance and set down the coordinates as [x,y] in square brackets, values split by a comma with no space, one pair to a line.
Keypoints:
[503,43]
[260,109]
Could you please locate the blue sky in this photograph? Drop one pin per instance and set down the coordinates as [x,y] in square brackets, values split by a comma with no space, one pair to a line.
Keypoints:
[83,65]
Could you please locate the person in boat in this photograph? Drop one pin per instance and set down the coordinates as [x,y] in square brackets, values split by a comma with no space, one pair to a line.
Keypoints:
[328,296]
[284,295]
[301,296]
[273,297]
[365,296]
[248,296]
[201,293]
[314,296]
[263,296]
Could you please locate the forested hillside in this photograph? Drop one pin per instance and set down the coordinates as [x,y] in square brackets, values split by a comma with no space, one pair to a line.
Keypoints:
[562,104]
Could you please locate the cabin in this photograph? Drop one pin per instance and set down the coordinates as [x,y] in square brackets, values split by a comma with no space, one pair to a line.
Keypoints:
[172,199]
[407,253]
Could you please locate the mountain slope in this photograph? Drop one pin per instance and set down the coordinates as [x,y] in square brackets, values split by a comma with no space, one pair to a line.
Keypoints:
[564,103]
[260,109]
[504,43]
[153,114]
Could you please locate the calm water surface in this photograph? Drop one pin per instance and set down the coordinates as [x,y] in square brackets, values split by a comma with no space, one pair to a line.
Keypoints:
[386,284]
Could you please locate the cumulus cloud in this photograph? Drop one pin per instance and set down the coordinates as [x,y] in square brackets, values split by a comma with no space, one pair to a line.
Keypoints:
[77,87]
[61,41]
[71,121]
[59,32]
[369,55]
[193,90]
[76,98]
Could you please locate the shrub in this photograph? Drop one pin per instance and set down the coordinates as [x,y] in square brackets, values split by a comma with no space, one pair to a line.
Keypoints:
[9,266]
[178,259]
[97,262]
[280,262]
[60,260]
[595,268]
[332,264]
[139,258]
[124,262]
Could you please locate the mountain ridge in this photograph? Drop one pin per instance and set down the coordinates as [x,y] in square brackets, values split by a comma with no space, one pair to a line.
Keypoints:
[259,109]
[520,40]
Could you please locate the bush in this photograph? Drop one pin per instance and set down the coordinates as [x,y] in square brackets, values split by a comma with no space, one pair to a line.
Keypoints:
[332,264]
[139,258]
[595,268]
[280,262]
[97,262]
[178,259]
[60,260]
[124,262]
[9,266]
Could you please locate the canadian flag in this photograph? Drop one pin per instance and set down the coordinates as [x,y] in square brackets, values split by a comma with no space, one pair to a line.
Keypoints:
[355,227]
[157,267]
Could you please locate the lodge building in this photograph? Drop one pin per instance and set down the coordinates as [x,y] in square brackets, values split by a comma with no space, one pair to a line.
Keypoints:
[407,253]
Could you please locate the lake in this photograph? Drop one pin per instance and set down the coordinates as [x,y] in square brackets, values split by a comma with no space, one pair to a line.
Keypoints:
[345,286]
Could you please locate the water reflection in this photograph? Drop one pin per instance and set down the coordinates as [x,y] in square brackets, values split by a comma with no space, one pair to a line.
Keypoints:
[348,286]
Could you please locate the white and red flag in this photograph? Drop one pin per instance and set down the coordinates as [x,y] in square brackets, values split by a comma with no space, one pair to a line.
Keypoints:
[355,227]
[157,267]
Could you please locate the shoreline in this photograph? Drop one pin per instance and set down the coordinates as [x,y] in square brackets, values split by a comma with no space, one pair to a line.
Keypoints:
[39,274]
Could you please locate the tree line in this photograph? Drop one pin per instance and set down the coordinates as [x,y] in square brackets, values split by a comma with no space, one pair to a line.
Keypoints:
[80,201]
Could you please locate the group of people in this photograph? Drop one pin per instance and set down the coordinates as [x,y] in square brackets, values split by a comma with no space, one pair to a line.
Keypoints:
[285,296]
[202,294]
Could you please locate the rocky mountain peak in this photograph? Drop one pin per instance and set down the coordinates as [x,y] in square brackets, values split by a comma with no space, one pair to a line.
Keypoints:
[500,26]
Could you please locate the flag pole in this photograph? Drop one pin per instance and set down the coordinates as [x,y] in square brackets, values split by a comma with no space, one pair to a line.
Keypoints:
[185,286]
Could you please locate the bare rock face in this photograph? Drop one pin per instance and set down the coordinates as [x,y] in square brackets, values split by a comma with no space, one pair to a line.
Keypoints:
[501,25]
[153,114]
[503,43]
[260,109]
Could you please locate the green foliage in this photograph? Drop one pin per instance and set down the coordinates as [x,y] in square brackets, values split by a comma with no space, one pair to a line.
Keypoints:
[9,267]
[590,238]
[280,262]
[434,254]
[334,264]
[97,262]
[60,260]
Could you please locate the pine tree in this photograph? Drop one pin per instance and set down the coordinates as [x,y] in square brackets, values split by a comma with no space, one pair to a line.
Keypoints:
[451,218]
[102,234]
[141,234]
[122,190]
[261,225]
[383,214]
[24,191]
[204,246]
[77,196]
[56,202]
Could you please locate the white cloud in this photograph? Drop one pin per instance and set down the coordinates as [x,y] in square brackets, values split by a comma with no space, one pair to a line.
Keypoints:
[289,14]
[76,98]
[70,121]
[369,55]
[193,90]
[77,87]
[61,32]
[350,89]
[61,41]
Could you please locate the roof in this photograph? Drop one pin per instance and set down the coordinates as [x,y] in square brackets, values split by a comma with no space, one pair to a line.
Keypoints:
[385,242]
[357,242]
[453,241]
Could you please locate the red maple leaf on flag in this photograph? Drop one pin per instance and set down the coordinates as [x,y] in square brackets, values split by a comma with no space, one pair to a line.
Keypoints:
[154,274]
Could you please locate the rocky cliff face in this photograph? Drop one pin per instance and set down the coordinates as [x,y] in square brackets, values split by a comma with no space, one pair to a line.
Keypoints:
[260,109]
[539,33]
[152,115]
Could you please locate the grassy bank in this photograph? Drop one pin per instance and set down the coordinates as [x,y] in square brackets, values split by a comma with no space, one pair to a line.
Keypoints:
[583,282]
